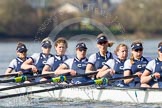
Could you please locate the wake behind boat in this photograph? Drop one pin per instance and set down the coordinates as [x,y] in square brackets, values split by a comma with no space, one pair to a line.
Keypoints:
[109,94]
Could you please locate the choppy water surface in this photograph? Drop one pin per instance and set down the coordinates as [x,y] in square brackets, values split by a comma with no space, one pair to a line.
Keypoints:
[51,103]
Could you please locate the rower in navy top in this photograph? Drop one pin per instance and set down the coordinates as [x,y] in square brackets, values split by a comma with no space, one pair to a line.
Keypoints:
[135,65]
[75,65]
[16,63]
[97,60]
[114,67]
[153,71]
[54,62]
[37,61]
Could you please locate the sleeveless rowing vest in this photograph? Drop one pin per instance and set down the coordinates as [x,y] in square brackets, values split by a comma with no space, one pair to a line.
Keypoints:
[158,66]
[118,67]
[138,65]
[100,60]
[41,62]
[79,66]
[18,68]
[58,60]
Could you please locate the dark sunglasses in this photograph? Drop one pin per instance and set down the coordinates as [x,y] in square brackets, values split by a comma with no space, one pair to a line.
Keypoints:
[82,50]
[136,50]
[100,43]
[22,51]
[47,47]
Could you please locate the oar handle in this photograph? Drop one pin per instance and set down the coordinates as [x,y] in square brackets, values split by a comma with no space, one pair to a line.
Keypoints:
[119,72]
[86,74]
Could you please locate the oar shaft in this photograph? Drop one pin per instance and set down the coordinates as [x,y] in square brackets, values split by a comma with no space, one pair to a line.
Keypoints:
[23,78]
[9,75]
[23,85]
[119,72]
[6,81]
[125,77]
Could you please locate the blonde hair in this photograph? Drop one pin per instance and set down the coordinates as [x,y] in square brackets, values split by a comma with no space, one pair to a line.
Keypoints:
[132,57]
[46,39]
[120,45]
[61,40]
[110,43]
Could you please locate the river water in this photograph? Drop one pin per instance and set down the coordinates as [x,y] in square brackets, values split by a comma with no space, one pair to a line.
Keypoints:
[8,53]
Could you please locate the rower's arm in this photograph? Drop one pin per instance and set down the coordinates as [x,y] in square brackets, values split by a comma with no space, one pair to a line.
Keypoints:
[28,64]
[127,73]
[8,71]
[146,77]
[103,71]
[46,69]
[89,68]
[63,69]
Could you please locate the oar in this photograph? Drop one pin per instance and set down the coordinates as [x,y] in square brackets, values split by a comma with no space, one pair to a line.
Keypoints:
[121,78]
[56,80]
[119,72]
[9,75]
[24,78]
[98,82]
[15,74]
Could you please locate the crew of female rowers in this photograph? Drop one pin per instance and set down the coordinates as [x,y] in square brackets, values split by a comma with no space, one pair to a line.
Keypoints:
[107,64]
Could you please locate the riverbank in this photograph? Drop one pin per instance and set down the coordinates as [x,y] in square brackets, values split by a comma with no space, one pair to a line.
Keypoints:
[124,36]
[139,36]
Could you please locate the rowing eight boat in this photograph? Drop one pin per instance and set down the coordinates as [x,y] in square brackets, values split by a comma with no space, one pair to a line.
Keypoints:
[113,94]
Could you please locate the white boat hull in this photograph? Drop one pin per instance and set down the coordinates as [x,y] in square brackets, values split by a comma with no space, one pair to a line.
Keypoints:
[91,93]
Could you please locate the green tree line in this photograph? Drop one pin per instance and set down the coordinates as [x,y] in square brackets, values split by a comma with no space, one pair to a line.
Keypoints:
[141,15]
[19,17]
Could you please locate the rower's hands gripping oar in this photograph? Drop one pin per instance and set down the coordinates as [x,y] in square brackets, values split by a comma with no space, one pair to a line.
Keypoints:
[156,76]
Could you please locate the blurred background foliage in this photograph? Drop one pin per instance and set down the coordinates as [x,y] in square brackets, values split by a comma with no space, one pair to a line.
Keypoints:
[29,18]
